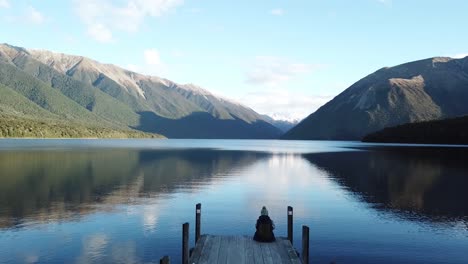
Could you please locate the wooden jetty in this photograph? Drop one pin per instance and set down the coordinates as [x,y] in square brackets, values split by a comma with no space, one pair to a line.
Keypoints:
[242,250]
[211,249]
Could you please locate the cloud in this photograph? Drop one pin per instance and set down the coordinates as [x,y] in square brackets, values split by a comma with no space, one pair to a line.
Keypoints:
[125,16]
[459,56]
[29,15]
[4,4]
[152,64]
[272,71]
[34,16]
[152,57]
[277,12]
[283,104]
[100,33]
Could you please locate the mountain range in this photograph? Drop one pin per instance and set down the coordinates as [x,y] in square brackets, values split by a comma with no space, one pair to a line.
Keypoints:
[424,90]
[43,85]
[59,95]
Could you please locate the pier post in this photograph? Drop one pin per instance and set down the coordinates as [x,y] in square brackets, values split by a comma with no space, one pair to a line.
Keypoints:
[185,243]
[165,260]
[290,224]
[197,222]
[305,245]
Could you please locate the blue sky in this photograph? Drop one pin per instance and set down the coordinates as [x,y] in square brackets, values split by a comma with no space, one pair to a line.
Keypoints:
[276,56]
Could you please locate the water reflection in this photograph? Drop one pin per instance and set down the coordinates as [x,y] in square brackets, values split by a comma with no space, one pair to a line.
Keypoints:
[42,186]
[52,185]
[126,205]
[429,182]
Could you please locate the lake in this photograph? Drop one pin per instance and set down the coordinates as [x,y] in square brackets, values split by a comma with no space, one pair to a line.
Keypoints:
[124,201]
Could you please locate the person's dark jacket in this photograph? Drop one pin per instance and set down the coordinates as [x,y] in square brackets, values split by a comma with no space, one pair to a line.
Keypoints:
[265,229]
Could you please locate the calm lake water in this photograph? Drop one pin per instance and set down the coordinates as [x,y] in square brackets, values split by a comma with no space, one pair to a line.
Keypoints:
[124,201]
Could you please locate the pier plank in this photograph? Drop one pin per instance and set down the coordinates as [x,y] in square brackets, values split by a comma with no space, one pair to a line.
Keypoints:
[210,250]
[281,254]
[242,250]
[197,252]
[249,251]
[236,250]
[257,251]
[225,246]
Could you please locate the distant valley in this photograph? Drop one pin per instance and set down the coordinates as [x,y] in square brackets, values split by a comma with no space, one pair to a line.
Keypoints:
[77,91]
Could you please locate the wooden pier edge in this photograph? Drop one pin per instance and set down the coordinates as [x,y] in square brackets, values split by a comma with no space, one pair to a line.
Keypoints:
[197,222]
[185,243]
[305,244]
[290,224]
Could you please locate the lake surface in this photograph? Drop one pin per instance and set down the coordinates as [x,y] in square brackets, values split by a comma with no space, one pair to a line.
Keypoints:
[124,201]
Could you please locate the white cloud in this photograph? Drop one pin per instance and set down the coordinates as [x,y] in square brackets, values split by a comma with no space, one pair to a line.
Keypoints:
[459,56]
[127,16]
[152,64]
[272,71]
[4,4]
[100,33]
[283,104]
[34,16]
[277,12]
[152,57]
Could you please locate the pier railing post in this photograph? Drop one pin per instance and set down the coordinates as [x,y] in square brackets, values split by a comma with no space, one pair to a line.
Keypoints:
[165,260]
[197,222]
[305,245]
[290,224]
[185,243]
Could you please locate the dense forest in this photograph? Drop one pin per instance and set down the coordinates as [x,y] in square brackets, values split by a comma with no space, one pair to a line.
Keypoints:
[447,131]
[16,127]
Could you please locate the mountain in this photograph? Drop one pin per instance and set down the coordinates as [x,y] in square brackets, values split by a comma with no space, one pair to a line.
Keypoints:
[283,124]
[423,90]
[447,131]
[96,93]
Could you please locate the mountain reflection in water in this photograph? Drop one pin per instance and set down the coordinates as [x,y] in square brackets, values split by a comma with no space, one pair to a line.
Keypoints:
[55,185]
[431,182]
[123,201]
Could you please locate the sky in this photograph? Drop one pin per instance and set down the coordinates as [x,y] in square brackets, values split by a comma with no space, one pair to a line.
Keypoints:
[280,57]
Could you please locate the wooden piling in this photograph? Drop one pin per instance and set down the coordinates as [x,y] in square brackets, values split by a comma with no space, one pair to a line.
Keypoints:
[165,260]
[290,224]
[305,245]
[197,222]
[185,243]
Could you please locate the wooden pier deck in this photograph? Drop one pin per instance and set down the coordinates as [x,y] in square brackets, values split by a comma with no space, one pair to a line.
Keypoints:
[242,250]
[210,249]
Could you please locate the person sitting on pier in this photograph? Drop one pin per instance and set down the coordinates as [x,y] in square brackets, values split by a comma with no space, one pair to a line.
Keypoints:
[265,227]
